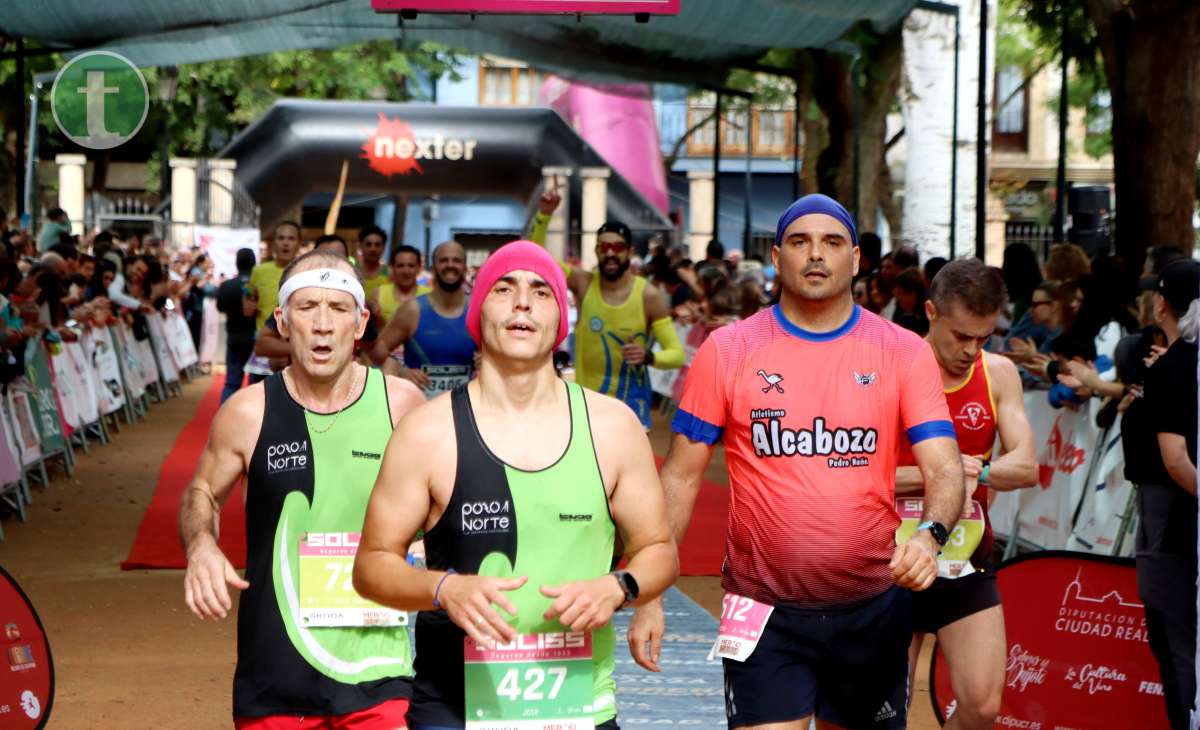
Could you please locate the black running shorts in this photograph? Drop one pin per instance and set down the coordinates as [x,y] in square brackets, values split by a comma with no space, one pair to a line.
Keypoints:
[947,601]
[848,667]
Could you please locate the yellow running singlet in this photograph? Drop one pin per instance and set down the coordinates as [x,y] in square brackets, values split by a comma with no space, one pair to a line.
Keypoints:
[388,303]
[599,335]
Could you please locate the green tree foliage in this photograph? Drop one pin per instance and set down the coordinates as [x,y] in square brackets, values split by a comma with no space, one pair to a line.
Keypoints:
[1029,36]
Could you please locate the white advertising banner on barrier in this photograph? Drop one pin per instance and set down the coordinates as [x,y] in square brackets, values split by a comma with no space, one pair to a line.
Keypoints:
[99,351]
[158,340]
[67,387]
[85,382]
[222,244]
[179,341]
[28,443]
[127,360]
[210,331]
[1080,468]
[1107,501]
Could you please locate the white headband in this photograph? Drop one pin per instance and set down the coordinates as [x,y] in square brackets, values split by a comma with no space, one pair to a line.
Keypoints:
[324,279]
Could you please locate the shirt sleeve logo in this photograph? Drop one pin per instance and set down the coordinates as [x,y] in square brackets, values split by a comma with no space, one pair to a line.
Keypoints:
[772,380]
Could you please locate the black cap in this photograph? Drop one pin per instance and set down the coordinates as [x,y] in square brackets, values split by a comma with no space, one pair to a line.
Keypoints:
[1179,284]
[618,228]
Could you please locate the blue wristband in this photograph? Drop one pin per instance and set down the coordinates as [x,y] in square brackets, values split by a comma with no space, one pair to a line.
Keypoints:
[436,591]
[983,474]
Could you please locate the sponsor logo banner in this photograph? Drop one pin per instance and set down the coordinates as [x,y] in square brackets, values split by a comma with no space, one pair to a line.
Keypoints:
[26,672]
[1077,652]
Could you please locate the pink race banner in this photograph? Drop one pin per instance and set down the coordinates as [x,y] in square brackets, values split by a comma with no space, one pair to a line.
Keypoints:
[549,7]
[1078,654]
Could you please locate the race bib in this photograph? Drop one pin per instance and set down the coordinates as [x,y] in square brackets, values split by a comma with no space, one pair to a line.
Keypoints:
[445,377]
[955,559]
[327,595]
[537,682]
[742,623]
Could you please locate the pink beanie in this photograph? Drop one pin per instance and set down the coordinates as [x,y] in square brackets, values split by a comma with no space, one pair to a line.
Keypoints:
[518,256]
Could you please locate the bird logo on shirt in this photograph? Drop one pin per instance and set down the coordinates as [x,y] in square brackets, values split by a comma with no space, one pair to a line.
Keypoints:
[772,380]
[864,380]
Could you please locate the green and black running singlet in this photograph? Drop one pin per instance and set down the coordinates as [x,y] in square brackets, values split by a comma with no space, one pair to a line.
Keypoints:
[284,667]
[552,525]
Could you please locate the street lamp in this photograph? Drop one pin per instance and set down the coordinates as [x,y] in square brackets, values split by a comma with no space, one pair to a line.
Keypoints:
[168,84]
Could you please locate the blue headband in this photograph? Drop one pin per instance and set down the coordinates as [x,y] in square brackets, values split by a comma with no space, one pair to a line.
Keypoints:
[816,203]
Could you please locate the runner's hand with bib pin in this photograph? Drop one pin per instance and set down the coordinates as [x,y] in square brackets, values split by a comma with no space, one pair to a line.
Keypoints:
[470,601]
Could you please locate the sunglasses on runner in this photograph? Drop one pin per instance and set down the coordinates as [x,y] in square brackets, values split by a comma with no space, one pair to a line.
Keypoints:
[617,247]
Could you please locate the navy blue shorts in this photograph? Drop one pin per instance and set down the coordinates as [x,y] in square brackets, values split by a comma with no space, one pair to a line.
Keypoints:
[849,667]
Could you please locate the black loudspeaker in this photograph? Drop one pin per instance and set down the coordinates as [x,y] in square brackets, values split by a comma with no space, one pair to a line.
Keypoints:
[1089,207]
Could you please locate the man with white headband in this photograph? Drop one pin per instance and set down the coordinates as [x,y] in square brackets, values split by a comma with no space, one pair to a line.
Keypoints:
[311,652]
[521,482]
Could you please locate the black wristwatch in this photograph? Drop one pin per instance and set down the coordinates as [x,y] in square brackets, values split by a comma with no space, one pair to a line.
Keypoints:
[649,358]
[628,584]
[937,530]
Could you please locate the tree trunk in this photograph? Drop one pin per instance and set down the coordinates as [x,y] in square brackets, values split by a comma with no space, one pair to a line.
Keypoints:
[1151,52]
[881,63]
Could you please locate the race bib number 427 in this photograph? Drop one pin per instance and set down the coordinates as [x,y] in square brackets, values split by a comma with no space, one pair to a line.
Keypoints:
[537,682]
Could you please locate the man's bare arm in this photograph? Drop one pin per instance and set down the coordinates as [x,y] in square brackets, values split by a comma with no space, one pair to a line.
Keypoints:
[909,480]
[403,397]
[396,332]
[681,474]
[270,344]
[941,470]
[1177,460]
[399,506]
[223,461]
[639,508]
[1017,466]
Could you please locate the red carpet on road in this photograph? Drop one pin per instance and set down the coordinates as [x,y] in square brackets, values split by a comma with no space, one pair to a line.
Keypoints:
[703,547]
[157,542]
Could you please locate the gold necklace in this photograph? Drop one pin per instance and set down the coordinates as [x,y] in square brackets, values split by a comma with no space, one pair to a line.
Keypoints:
[338,412]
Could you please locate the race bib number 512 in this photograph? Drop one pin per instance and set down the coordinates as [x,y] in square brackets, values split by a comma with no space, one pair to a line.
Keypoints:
[742,623]
[537,682]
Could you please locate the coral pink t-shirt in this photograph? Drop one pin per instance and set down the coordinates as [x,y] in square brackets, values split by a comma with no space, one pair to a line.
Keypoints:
[812,426]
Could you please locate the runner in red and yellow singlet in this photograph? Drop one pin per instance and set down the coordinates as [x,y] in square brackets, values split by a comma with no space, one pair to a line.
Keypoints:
[985,399]
[811,398]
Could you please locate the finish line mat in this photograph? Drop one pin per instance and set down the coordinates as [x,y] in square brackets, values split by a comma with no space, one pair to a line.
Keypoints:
[690,690]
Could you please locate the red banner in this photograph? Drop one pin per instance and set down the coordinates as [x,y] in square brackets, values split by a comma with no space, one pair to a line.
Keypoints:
[549,7]
[1078,652]
[26,671]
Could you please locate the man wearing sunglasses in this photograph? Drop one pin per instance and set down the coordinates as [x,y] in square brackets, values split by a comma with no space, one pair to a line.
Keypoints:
[620,316]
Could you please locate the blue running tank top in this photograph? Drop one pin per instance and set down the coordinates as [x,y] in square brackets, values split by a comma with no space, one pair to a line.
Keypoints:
[441,347]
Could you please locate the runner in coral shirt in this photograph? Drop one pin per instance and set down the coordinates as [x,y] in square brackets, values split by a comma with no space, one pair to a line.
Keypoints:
[811,398]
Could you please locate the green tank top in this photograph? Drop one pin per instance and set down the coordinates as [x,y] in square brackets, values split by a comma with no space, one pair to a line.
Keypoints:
[552,525]
[310,473]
